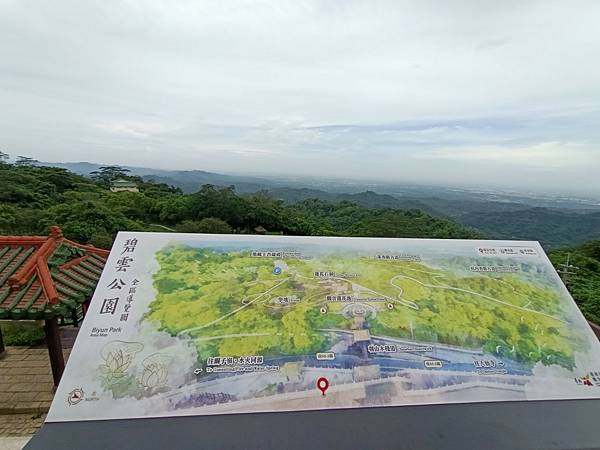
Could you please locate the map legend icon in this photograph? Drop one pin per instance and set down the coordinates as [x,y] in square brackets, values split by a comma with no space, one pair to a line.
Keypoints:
[323,384]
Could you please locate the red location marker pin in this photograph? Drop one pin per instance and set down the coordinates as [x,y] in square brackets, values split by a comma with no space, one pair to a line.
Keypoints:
[322,384]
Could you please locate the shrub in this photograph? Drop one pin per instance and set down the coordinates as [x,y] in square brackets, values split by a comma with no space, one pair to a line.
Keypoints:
[22,333]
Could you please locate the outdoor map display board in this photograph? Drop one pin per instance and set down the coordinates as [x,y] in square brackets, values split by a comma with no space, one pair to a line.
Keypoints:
[184,324]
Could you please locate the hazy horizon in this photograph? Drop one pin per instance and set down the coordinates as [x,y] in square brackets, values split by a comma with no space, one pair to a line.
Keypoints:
[499,95]
[319,182]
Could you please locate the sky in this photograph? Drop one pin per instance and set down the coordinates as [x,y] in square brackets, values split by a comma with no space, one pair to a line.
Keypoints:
[468,93]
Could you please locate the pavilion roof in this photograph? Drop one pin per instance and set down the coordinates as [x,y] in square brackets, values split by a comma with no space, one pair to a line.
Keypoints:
[123,182]
[42,277]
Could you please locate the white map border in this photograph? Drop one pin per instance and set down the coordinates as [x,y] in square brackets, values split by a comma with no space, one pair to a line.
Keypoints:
[82,356]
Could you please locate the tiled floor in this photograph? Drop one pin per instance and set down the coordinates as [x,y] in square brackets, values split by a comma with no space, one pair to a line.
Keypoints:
[20,425]
[16,429]
[26,385]
[26,390]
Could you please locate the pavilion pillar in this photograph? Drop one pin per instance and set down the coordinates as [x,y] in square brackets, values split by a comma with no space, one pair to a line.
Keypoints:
[85,306]
[2,348]
[595,329]
[57,361]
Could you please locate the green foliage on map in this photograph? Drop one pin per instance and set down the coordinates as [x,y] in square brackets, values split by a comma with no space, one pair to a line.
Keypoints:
[208,294]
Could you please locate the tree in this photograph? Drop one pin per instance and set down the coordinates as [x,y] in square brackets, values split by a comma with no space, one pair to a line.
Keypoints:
[206,225]
[88,221]
[584,283]
[223,203]
[25,161]
[263,210]
[175,208]
[106,174]
[3,157]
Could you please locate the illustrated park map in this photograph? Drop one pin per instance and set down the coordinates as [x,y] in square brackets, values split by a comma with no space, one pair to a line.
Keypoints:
[184,324]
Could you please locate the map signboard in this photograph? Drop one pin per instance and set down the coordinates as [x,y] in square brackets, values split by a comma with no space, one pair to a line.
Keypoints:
[184,324]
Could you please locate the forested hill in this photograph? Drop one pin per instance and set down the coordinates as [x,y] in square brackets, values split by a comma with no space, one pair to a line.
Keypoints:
[554,228]
[584,281]
[555,221]
[32,198]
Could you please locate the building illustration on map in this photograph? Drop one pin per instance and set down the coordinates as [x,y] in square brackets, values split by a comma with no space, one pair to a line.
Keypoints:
[184,324]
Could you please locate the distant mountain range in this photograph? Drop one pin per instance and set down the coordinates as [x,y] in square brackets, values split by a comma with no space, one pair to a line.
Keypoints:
[554,221]
[187,180]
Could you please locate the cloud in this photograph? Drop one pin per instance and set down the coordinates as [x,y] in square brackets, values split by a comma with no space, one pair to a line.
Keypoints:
[492,43]
[306,87]
[545,155]
[136,129]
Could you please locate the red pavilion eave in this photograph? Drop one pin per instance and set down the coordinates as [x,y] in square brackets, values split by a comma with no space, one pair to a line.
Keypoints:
[46,276]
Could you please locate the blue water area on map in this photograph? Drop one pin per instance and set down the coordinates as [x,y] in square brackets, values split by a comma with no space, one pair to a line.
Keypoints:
[390,365]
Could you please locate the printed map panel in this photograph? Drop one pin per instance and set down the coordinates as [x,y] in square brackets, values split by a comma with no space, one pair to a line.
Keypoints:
[184,324]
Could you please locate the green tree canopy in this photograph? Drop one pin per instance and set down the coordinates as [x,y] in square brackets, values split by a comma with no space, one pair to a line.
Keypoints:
[25,161]
[206,225]
[106,174]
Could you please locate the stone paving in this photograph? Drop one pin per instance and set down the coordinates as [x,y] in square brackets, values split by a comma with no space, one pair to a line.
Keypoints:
[26,385]
[16,429]
[26,390]
[20,425]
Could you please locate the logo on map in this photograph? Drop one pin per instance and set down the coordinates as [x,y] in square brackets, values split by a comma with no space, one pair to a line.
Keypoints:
[590,379]
[75,396]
